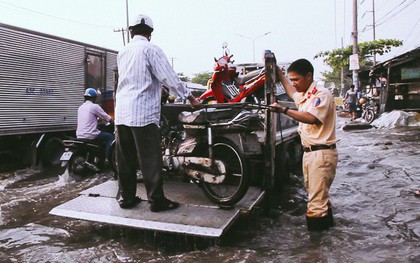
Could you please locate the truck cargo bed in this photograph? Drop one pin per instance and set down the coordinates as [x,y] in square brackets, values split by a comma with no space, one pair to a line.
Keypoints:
[196,216]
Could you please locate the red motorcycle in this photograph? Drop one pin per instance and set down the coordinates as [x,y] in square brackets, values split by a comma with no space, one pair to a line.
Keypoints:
[227,86]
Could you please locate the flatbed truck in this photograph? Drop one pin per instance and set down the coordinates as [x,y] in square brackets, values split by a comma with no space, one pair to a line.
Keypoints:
[280,149]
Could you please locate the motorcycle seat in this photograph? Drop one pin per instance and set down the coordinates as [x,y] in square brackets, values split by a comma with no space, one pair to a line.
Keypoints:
[241,80]
[88,141]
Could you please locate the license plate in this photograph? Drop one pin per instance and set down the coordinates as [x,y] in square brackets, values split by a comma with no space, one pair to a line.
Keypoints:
[66,156]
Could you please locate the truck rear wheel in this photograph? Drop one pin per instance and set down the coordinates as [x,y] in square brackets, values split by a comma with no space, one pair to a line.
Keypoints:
[52,151]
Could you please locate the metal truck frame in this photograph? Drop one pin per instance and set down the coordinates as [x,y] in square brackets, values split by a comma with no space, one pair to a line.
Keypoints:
[42,79]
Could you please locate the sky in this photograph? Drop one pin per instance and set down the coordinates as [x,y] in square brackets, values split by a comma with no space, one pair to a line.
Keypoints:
[191,32]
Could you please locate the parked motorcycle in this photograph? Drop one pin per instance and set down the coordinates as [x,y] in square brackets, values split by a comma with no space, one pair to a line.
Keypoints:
[84,156]
[227,86]
[369,109]
[208,145]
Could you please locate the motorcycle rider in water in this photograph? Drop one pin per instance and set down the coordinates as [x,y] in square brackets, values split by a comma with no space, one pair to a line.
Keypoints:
[87,122]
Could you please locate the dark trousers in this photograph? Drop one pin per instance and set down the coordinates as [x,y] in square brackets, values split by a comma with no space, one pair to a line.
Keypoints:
[106,138]
[139,145]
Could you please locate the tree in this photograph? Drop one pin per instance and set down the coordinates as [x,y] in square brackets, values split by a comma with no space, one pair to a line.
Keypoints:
[202,78]
[339,58]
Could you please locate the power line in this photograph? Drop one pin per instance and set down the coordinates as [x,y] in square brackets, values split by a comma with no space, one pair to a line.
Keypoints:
[53,17]
[412,30]
[383,5]
[387,19]
[378,22]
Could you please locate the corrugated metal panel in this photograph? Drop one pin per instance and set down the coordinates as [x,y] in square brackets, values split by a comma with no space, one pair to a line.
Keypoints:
[41,82]
[111,64]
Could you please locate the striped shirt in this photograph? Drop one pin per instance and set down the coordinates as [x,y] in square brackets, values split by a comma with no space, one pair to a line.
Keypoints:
[142,69]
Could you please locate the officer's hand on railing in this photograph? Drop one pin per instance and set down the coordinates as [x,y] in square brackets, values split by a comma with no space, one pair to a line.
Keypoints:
[276,107]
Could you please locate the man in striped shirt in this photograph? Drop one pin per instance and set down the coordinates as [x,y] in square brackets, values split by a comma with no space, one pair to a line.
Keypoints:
[143,68]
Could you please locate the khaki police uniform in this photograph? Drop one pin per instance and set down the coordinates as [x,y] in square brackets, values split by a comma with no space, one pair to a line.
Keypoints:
[320,155]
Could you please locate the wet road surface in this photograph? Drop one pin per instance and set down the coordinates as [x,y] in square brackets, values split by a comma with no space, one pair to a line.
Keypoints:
[376,213]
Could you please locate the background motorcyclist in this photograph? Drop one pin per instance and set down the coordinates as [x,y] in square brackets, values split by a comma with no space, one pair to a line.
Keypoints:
[87,121]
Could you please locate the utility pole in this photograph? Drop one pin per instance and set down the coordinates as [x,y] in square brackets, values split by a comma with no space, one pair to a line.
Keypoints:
[343,82]
[374,33]
[122,30]
[126,14]
[355,46]
[373,27]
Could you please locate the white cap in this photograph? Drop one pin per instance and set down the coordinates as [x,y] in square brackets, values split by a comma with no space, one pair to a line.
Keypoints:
[142,19]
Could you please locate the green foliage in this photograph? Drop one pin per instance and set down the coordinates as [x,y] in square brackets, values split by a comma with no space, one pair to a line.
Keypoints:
[339,58]
[202,78]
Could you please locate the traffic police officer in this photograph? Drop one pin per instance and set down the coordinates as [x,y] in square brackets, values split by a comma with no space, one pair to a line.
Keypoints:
[316,115]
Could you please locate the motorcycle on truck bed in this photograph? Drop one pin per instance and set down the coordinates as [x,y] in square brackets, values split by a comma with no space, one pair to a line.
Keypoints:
[212,146]
[240,151]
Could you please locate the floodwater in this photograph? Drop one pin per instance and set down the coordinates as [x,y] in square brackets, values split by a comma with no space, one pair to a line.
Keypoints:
[377,216]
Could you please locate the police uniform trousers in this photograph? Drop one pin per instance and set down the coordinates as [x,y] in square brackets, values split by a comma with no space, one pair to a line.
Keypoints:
[139,145]
[319,168]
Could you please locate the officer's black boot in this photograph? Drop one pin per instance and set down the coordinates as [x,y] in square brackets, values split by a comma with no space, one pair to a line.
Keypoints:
[318,223]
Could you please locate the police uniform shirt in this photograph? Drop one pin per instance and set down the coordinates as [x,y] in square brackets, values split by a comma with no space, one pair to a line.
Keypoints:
[319,102]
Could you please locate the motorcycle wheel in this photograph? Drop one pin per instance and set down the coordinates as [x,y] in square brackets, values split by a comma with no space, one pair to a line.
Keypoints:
[236,183]
[369,116]
[77,164]
[114,161]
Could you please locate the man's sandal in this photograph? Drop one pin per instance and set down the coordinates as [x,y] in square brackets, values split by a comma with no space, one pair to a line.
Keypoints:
[163,205]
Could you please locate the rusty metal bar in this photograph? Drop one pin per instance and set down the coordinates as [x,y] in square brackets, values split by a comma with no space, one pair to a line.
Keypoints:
[270,121]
